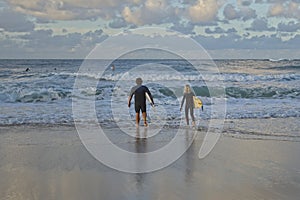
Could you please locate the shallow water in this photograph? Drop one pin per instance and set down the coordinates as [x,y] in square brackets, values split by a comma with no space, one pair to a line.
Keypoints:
[253,89]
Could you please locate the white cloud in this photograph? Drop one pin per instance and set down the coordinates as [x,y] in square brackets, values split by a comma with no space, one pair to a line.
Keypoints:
[276,10]
[204,11]
[137,12]
[219,30]
[151,12]
[155,5]
[132,16]
[288,9]
[70,9]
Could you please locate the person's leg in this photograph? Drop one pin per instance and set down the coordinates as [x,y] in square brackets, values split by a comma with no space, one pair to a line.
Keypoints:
[137,115]
[145,118]
[137,119]
[144,113]
[192,116]
[187,115]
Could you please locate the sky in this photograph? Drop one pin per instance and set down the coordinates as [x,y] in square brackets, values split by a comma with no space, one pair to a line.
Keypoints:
[225,28]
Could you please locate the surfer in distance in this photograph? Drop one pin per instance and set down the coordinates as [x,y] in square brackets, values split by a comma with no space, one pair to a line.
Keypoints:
[188,95]
[140,91]
[112,67]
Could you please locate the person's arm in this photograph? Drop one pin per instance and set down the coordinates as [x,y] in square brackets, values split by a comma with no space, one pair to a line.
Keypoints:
[182,101]
[193,95]
[130,97]
[129,101]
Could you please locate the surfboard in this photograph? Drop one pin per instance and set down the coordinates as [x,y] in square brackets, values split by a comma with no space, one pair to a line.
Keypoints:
[149,99]
[197,102]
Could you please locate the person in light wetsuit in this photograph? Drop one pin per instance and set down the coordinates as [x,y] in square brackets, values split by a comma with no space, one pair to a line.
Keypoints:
[188,95]
[139,91]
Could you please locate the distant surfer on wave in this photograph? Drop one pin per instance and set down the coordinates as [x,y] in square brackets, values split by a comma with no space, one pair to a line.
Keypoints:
[188,95]
[140,91]
[112,67]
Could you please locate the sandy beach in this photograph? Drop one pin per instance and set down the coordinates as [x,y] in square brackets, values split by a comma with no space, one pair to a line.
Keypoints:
[50,162]
[216,81]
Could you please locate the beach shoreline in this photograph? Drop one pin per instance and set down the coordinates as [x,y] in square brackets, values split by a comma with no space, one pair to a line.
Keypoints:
[50,162]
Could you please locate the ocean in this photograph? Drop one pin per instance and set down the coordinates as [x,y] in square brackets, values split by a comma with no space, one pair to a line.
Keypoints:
[262,96]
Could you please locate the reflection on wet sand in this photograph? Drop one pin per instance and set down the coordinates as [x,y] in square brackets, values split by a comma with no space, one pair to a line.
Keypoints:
[51,163]
[189,162]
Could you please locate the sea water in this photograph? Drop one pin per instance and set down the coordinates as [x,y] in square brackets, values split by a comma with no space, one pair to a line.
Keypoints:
[254,90]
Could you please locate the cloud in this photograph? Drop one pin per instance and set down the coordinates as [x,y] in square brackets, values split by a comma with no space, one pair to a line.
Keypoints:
[43,21]
[289,27]
[248,13]
[117,23]
[38,35]
[183,27]
[44,44]
[288,9]
[124,13]
[133,17]
[276,10]
[52,10]
[30,22]
[204,11]
[70,9]
[260,25]
[223,42]
[151,12]
[235,41]
[245,2]
[232,13]
[14,22]
[137,12]
[219,30]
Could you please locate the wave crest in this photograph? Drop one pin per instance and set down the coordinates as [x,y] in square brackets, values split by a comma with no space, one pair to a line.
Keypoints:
[37,95]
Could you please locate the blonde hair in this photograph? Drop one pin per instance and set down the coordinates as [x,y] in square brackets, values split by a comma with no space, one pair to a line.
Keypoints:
[187,89]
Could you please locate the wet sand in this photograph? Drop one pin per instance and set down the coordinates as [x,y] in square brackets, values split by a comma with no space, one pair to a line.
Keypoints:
[50,162]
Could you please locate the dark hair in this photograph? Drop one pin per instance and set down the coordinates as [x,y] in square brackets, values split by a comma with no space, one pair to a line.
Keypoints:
[139,81]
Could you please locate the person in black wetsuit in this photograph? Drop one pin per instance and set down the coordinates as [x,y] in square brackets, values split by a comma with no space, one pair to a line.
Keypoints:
[188,95]
[139,91]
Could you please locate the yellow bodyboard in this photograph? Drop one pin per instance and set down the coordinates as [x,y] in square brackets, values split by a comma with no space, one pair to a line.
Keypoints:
[197,102]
